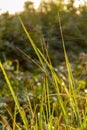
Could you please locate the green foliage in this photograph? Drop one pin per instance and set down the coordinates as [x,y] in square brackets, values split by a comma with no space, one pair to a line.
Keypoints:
[34,94]
[42,24]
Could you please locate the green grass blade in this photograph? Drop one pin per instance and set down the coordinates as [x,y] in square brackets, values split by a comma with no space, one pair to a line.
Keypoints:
[22,113]
[42,58]
[72,91]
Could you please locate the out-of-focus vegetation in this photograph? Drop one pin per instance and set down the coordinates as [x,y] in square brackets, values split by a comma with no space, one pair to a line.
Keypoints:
[34,84]
[43,25]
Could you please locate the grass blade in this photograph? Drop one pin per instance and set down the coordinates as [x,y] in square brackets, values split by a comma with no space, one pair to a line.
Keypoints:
[22,113]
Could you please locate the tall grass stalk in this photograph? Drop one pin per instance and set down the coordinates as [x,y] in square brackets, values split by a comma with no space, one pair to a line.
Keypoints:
[43,61]
[73,100]
[21,111]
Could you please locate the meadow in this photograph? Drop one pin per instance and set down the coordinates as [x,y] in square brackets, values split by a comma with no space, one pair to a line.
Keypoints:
[50,94]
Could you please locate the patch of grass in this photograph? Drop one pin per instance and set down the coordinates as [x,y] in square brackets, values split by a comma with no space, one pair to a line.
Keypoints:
[57,101]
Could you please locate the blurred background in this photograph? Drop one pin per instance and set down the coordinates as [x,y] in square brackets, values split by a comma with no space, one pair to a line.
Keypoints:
[41,20]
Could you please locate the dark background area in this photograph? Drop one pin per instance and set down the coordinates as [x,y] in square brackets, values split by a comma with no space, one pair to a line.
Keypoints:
[43,26]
